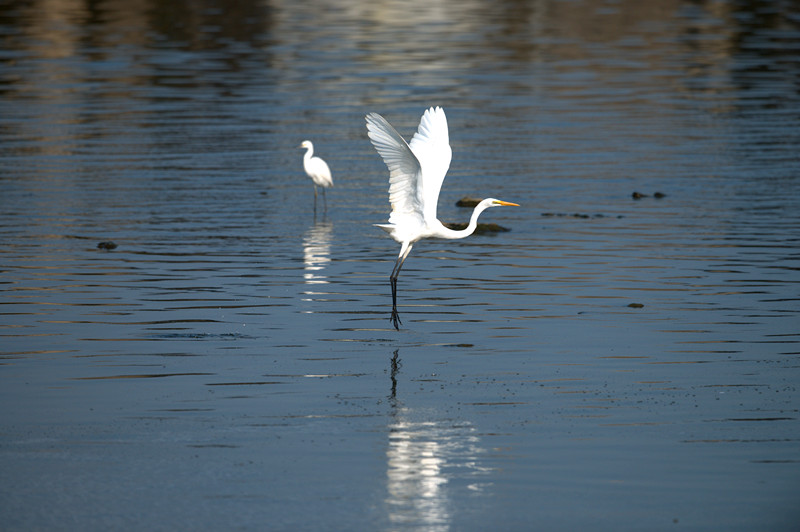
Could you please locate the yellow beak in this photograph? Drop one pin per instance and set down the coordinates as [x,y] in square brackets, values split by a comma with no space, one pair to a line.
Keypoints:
[506,203]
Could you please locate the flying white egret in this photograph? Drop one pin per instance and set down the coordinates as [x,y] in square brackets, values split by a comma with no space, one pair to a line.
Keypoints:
[416,173]
[317,170]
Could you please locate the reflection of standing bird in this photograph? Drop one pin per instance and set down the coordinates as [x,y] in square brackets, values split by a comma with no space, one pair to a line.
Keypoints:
[317,252]
[317,170]
[416,173]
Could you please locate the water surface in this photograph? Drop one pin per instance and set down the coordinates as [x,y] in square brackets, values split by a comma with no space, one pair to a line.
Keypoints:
[608,363]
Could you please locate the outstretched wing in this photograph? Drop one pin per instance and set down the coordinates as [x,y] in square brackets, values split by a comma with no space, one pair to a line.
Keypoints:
[431,146]
[404,170]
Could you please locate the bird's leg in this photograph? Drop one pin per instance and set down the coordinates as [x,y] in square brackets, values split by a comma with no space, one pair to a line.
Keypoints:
[404,251]
[315,199]
[325,199]
[395,318]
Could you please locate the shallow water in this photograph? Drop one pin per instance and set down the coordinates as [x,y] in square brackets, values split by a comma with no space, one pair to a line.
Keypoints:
[609,363]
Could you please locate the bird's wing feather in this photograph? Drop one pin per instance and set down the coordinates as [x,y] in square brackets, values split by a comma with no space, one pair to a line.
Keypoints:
[431,146]
[404,170]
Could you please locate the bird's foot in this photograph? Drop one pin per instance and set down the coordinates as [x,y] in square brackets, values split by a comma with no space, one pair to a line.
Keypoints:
[396,319]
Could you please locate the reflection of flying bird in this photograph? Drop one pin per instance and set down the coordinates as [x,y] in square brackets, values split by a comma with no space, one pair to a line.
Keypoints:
[317,170]
[416,172]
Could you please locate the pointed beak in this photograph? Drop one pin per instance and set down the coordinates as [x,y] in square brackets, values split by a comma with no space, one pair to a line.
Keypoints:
[506,203]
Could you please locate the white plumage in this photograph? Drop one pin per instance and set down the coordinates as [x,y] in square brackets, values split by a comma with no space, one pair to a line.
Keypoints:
[317,170]
[416,172]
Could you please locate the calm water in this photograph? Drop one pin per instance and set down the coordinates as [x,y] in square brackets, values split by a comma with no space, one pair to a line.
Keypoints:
[609,363]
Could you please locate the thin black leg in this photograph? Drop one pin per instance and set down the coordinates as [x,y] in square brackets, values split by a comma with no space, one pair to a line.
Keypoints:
[395,318]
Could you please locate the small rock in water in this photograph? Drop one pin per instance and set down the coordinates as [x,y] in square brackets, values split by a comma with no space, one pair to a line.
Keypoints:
[482,228]
[636,305]
[107,245]
[466,201]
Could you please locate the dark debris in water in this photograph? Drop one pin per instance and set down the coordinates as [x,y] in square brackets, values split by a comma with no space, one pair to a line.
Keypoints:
[636,305]
[141,376]
[108,245]
[482,228]
[638,195]
[575,215]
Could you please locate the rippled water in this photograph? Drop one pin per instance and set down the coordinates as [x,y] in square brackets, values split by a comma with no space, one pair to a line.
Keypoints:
[609,363]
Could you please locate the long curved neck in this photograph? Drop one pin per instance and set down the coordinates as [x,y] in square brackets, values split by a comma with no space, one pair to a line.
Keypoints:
[473,224]
[309,153]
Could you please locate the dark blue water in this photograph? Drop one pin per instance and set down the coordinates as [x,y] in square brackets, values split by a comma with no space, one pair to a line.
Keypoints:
[608,363]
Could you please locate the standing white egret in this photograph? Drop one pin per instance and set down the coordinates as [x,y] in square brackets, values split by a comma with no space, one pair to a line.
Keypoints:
[317,170]
[416,173]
